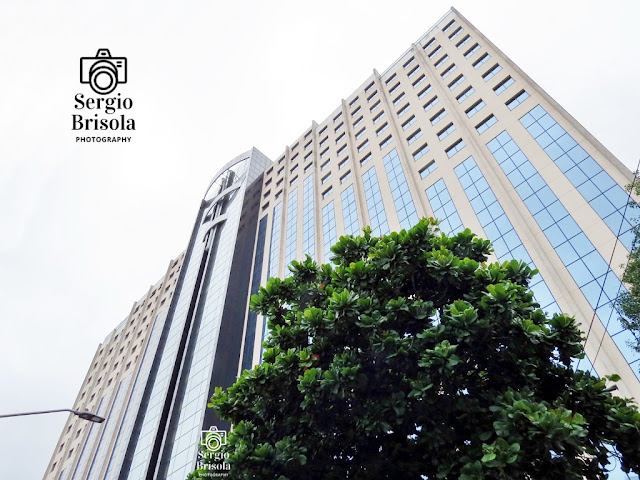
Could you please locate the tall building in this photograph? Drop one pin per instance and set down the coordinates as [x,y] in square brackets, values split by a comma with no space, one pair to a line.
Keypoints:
[453,130]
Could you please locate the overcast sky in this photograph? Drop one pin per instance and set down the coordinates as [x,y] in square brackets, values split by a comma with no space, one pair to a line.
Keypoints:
[86,228]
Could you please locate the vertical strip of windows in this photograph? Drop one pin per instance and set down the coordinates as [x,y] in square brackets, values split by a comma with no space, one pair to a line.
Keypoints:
[609,200]
[252,318]
[274,244]
[308,239]
[108,430]
[291,237]
[377,215]
[328,229]
[405,208]
[443,208]
[94,430]
[498,228]
[598,283]
[351,226]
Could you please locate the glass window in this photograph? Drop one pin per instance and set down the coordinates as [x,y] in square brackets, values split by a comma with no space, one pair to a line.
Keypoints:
[582,260]
[409,122]
[459,79]
[455,33]
[349,211]
[497,227]
[405,208]
[475,108]
[363,145]
[438,116]
[308,242]
[404,109]
[382,129]
[413,71]
[435,51]
[421,151]
[608,199]
[441,61]
[465,94]
[424,91]
[516,100]
[464,41]
[478,63]
[329,235]
[448,25]
[431,103]
[448,71]
[503,85]
[443,208]
[471,51]
[430,167]
[360,133]
[486,123]
[398,99]
[444,133]
[455,148]
[491,72]
[414,136]
[377,214]
[408,63]
[386,142]
[429,43]
[419,80]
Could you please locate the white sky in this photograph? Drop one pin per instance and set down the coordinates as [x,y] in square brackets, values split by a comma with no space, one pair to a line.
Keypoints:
[86,228]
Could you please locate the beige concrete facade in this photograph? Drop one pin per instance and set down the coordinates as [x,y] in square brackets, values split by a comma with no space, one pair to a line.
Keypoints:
[396,103]
[117,360]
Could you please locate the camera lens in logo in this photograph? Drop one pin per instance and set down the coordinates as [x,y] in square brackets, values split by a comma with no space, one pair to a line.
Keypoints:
[103,77]
[213,442]
[213,439]
[103,72]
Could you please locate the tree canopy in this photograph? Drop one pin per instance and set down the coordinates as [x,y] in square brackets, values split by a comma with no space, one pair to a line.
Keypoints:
[628,302]
[411,357]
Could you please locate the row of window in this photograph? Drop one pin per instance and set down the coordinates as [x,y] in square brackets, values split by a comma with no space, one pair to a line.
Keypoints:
[410,67]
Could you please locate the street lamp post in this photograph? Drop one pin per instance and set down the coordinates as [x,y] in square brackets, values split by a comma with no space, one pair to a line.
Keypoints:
[83,415]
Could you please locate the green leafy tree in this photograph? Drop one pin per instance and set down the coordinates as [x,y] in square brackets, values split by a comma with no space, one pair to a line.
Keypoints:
[411,358]
[628,302]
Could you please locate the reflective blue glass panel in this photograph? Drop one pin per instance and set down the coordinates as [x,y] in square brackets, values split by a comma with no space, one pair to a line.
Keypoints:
[377,215]
[443,208]
[351,225]
[606,197]
[405,208]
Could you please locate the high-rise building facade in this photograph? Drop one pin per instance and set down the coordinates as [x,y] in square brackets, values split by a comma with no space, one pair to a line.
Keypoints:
[119,366]
[452,130]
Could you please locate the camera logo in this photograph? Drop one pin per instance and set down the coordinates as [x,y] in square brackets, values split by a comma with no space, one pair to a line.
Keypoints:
[213,439]
[103,72]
